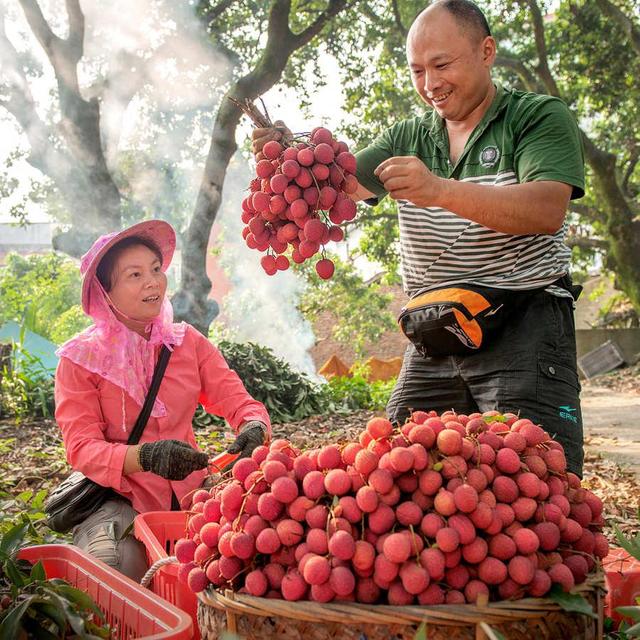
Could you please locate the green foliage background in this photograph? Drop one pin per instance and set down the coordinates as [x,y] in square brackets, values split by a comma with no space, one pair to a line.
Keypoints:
[41,292]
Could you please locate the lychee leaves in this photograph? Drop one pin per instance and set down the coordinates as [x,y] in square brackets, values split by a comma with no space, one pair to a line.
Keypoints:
[571,602]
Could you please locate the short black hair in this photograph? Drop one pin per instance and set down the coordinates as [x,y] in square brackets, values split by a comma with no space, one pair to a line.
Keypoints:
[104,270]
[467,14]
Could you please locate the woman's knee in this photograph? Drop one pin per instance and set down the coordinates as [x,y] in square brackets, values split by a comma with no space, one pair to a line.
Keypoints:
[102,535]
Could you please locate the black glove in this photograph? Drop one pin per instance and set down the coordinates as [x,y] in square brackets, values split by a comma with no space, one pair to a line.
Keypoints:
[171,459]
[251,435]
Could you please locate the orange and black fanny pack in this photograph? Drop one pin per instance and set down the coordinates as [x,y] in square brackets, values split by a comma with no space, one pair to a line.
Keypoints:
[458,320]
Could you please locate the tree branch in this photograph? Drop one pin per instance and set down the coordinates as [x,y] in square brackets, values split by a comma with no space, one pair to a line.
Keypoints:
[541,46]
[398,18]
[332,10]
[75,40]
[585,242]
[21,105]
[62,54]
[588,212]
[89,187]
[215,11]
[40,27]
[525,74]
[628,26]
[634,156]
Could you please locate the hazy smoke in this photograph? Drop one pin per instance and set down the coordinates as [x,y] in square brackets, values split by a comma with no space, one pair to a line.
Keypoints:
[259,308]
[159,82]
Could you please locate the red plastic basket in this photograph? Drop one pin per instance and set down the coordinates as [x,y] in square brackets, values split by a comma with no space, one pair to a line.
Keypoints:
[622,575]
[134,611]
[158,531]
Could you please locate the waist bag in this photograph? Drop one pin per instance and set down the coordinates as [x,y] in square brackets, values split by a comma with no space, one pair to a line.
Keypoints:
[458,320]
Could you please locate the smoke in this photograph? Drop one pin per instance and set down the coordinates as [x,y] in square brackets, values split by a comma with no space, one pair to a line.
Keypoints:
[159,81]
[258,308]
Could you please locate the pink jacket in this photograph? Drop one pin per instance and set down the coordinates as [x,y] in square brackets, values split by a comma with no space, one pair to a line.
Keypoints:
[96,417]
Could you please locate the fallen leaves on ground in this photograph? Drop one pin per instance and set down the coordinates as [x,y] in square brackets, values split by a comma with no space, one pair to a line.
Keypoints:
[625,380]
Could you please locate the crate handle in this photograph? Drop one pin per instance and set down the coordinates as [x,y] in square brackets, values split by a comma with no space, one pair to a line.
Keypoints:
[146,578]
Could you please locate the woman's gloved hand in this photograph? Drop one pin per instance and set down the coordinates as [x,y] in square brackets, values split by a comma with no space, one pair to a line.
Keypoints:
[171,459]
[251,435]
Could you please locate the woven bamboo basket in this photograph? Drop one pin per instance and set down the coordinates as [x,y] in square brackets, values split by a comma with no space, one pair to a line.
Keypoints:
[254,618]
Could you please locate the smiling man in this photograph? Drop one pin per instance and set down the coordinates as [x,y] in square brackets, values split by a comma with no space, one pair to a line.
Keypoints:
[482,181]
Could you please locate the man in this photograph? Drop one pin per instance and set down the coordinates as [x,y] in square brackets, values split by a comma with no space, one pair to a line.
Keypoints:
[482,182]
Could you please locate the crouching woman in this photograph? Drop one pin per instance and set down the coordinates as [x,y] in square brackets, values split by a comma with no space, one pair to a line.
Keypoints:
[102,380]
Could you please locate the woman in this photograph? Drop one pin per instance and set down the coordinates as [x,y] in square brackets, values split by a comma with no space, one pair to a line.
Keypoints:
[102,380]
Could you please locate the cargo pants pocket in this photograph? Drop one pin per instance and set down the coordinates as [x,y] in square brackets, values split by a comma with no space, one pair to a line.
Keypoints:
[558,402]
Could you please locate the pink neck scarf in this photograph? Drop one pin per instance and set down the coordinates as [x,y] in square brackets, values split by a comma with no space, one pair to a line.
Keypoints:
[121,355]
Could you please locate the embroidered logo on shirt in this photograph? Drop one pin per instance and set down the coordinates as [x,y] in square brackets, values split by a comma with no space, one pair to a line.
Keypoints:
[489,156]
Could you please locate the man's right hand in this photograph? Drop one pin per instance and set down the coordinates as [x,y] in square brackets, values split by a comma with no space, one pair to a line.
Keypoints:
[261,135]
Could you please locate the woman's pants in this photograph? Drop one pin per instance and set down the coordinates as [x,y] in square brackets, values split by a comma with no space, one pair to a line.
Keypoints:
[101,535]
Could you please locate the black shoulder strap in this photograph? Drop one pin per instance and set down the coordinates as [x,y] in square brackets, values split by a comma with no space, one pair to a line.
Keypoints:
[158,373]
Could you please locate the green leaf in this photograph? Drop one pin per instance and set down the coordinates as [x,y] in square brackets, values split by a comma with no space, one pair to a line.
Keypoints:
[490,419]
[74,618]
[53,613]
[572,602]
[37,572]
[421,632]
[14,574]
[630,545]
[12,622]
[24,496]
[629,612]
[80,597]
[13,539]
[126,532]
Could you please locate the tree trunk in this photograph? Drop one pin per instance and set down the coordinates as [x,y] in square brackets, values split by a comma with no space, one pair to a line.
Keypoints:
[87,185]
[93,198]
[623,228]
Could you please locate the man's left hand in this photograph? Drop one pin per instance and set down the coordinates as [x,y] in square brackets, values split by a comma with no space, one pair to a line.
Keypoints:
[408,178]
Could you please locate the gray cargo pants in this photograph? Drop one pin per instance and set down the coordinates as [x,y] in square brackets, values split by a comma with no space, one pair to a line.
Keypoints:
[100,536]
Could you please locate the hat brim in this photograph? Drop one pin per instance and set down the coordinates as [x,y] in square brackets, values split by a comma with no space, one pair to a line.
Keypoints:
[159,232]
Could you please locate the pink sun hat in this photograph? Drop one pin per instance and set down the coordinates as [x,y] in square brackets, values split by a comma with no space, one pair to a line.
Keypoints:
[159,232]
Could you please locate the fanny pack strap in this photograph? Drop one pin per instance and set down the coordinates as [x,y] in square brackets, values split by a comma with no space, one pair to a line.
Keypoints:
[566,283]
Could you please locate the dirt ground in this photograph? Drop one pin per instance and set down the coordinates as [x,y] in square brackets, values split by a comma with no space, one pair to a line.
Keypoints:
[612,424]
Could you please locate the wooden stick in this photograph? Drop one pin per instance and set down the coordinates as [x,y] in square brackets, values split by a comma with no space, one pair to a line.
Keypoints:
[248,108]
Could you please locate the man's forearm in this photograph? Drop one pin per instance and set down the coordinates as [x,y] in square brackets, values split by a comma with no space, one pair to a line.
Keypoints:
[519,209]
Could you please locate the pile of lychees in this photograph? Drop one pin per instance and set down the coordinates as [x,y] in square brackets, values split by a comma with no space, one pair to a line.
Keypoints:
[443,510]
[298,199]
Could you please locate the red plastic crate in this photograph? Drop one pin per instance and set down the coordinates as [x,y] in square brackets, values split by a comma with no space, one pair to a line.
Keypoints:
[622,575]
[158,531]
[133,610]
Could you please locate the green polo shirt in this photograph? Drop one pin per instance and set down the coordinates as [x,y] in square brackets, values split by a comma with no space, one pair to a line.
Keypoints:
[522,137]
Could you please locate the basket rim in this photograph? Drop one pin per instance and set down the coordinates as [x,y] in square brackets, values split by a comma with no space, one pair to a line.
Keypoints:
[352,612]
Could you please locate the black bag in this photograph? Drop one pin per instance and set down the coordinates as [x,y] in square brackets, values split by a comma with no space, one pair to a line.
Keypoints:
[458,320]
[463,319]
[77,497]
